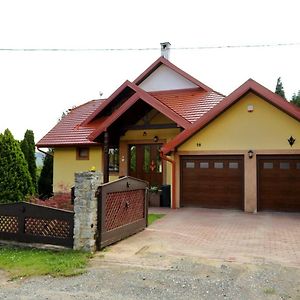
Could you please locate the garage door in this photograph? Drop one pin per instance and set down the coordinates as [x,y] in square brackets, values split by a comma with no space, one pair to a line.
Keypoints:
[279,183]
[212,181]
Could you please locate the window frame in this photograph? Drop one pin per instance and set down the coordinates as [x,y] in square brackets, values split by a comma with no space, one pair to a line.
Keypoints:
[79,155]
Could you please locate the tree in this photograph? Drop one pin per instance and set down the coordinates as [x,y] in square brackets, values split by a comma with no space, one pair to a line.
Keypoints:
[45,182]
[28,148]
[279,88]
[296,99]
[15,180]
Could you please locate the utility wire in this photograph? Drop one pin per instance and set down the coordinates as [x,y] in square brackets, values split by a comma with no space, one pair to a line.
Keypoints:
[152,49]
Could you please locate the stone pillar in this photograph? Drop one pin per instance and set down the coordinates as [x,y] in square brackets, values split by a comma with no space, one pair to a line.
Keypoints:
[85,208]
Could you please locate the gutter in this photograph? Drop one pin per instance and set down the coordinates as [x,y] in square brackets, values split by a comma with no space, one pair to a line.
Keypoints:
[46,153]
[164,157]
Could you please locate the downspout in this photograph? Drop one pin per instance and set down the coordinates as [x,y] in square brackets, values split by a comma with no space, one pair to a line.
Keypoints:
[164,157]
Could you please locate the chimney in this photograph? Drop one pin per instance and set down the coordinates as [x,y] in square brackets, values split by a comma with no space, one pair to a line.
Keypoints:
[165,50]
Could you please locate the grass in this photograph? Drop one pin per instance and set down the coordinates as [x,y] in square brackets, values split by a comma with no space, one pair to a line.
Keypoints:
[24,262]
[153,217]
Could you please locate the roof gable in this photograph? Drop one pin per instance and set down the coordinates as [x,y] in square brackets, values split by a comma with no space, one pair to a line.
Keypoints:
[143,96]
[164,69]
[249,86]
[164,78]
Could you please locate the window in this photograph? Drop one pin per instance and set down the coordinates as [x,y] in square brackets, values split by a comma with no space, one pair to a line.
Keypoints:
[268,165]
[204,165]
[284,165]
[233,165]
[113,154]
[190,165]
[218,165]
[82,153]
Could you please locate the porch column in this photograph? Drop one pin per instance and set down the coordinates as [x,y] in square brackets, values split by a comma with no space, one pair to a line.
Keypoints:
[106,158]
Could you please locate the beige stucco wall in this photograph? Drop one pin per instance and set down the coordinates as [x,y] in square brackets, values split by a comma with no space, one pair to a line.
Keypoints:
[65,165]
[236,131]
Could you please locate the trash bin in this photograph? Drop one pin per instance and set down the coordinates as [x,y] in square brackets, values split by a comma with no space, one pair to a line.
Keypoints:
[165,196]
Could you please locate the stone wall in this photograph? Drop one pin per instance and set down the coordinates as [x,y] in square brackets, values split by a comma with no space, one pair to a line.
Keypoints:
[85,208]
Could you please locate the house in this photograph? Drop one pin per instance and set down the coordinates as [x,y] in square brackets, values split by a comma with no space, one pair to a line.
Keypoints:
[238,152]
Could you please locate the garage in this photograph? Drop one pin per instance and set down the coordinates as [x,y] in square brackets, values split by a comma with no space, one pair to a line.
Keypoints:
[212,181]
[278,183]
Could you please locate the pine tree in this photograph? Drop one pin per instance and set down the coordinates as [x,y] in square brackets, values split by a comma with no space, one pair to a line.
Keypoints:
[45,182]
[15,180]
[279,88]
[28,148]
[296,99]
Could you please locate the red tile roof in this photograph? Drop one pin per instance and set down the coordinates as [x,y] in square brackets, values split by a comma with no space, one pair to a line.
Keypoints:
[147,98]
[249,86]
[69,130]
[191,104]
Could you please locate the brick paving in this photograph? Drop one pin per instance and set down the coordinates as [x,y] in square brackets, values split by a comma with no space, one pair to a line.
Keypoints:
[218,234]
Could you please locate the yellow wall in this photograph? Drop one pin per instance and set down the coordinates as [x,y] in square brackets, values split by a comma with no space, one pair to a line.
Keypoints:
[163,134]
[237,129]
[65,165]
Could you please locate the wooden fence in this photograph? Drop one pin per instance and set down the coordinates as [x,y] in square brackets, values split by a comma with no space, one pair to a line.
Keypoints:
[31,223]
[122,209]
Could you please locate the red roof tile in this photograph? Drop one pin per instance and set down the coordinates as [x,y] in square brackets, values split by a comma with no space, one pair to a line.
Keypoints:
[191,104]
[69,130]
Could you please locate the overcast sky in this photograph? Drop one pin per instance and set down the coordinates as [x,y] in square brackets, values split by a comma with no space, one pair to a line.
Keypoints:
[37,86]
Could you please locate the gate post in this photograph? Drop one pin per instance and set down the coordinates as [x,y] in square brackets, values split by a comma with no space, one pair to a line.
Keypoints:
[85,208]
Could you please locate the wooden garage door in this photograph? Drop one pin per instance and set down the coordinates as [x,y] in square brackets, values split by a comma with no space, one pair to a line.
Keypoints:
[212,181]
[279,183]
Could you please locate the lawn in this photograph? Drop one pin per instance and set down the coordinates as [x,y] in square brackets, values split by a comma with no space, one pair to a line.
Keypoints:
[19,262]
[24,262]
[153,217]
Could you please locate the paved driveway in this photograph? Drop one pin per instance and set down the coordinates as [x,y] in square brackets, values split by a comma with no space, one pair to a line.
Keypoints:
[225,235]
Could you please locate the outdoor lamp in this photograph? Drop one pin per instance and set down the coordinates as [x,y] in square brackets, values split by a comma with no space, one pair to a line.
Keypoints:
[250,154]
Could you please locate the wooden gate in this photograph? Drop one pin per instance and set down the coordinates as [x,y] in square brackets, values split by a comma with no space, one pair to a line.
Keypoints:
[122,209]
[31,223]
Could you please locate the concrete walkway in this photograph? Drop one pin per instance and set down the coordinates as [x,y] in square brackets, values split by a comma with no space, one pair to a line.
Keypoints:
[225,235]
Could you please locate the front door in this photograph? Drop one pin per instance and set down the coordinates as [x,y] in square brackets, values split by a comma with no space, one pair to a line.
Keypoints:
[145,163]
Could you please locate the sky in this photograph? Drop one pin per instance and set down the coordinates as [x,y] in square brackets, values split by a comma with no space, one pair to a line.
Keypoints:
[36,87]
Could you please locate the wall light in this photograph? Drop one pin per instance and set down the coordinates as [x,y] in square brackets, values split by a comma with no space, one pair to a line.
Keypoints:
[250,154]
[155,139]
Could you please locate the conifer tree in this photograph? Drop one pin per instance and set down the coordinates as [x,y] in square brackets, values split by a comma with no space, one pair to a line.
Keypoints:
[296,98]
[15,180]
[45,182]
[28,148]
[279,88]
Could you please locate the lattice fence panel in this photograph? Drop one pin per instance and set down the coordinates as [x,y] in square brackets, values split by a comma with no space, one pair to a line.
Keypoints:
[8,224]
[123,208]
[50,228]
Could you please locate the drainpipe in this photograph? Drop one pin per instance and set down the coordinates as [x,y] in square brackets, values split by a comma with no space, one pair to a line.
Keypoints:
[164,157]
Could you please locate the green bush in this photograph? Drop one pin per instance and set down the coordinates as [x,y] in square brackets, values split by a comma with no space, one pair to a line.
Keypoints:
[15,180]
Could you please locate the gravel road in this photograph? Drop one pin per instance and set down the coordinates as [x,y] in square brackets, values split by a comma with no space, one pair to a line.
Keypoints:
[182,278]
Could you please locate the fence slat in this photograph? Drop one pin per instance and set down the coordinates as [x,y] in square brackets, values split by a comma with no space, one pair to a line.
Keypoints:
[36,224]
